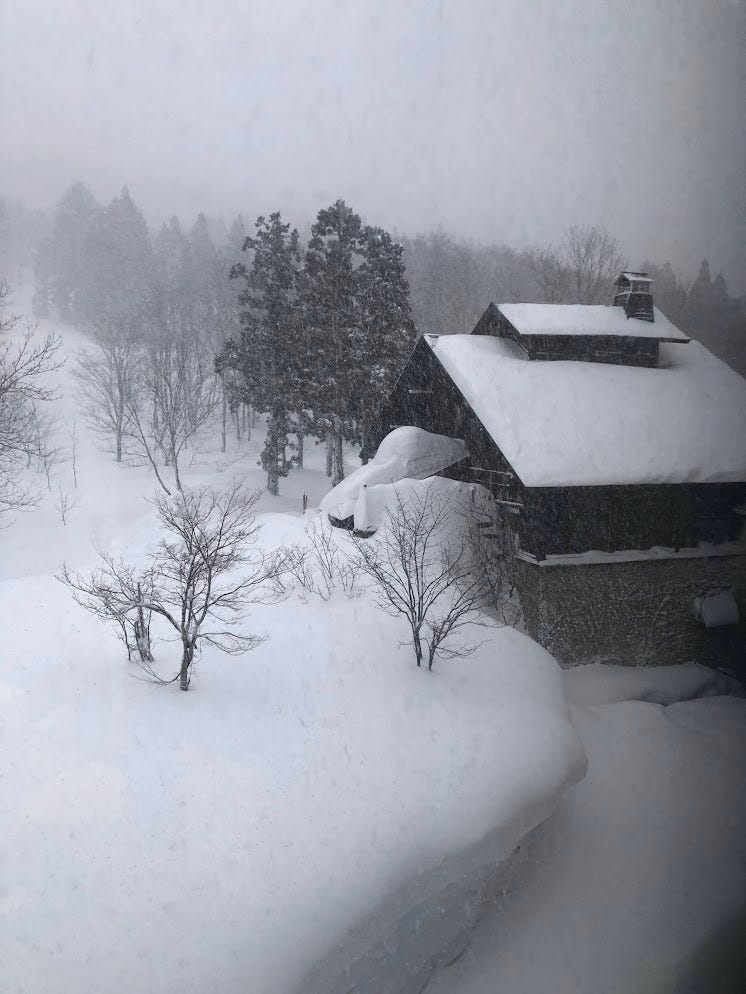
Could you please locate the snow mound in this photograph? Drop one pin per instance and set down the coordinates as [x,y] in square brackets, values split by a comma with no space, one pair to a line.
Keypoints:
[222,840]
[641,868]
[599,683]
[375,503]
[285,798]
[405,453]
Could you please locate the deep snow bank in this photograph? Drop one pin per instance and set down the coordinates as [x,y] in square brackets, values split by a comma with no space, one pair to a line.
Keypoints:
[600,683]
[639,872]
[223,839]
[406,453]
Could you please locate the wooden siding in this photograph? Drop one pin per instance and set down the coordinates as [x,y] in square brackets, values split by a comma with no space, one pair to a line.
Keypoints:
[611,349]
[556,520]
[425,396]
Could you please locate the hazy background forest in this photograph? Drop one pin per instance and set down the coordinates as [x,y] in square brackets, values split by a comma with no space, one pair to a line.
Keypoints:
[451,280]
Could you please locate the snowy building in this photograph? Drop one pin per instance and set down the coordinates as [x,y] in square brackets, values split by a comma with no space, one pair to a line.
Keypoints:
[615,448]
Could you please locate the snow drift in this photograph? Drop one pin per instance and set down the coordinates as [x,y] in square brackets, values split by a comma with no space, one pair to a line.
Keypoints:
[224,839]
[405,453]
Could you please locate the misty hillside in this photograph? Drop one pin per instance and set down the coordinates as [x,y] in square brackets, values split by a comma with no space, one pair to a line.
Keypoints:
[451,281]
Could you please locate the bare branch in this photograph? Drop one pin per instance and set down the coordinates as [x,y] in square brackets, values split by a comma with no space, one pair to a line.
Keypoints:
[24,364]
[420,564]
[201,578]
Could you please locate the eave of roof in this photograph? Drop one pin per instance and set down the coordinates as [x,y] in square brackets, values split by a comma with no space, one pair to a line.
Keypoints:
[572,423]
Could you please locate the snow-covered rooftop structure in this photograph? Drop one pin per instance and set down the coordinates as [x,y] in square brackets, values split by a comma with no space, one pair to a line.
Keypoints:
[585,319]
[614,451]
[407,453]
[579,423]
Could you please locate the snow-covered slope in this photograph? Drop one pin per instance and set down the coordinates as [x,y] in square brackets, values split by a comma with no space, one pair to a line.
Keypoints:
[225,839]
[638,881]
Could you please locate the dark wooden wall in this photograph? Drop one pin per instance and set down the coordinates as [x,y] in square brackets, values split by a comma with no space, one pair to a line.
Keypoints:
[559,520]
[615,350]
[610,349]
[555,520]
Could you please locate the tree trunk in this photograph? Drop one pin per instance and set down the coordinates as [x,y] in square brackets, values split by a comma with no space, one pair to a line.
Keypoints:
[417,647]
[273,481]
[142,631]
[338,472]
[238,426]
[175,460]
[225,418]
[186,663]
[119,444]
[329,453]
[300,438]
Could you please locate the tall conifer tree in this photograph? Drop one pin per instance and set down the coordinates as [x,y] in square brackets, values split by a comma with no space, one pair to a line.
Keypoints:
[266,352]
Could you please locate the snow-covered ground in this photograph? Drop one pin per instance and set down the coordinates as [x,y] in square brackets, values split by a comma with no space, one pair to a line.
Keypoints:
[638,881]
[321,816]
[227,839]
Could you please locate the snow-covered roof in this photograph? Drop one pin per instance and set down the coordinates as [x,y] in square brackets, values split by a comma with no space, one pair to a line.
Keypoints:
[637,277]
[586,319]
[568,423]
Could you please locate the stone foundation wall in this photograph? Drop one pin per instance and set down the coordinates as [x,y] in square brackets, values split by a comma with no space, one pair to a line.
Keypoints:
[636,613]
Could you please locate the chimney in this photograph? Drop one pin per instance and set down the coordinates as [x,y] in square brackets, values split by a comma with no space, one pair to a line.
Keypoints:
[635,295]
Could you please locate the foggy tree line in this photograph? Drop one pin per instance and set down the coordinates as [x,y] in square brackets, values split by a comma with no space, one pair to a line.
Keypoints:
[207,325]
[452,281]
[25,362]
[181,329]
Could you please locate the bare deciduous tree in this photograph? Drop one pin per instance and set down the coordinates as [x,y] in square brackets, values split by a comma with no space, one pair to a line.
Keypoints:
[72,431]
[42,452]
[322,567]
[174,397]
[420,563]
[551,275]
[594,262]
[116,593]
[582,270]
[106,378]
[493,554]
[65,503]
[24,362]
[200,579]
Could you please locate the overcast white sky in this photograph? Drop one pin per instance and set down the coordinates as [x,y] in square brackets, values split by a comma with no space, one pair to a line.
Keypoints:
[500,120]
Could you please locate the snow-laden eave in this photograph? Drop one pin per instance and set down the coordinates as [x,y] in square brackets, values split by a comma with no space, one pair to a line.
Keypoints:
[588,321]
[549,471]
[429,341]
[595,557]
[410,357]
